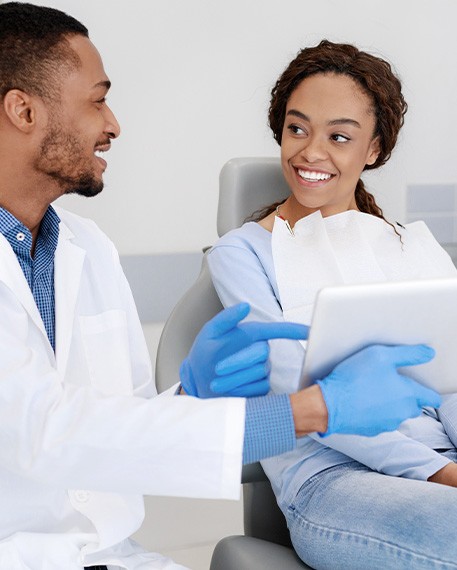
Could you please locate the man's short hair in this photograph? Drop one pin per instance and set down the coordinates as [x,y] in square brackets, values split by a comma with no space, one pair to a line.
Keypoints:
[34,48]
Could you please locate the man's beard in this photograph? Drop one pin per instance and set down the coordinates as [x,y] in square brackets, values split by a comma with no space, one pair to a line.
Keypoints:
[86,185]
[61,157]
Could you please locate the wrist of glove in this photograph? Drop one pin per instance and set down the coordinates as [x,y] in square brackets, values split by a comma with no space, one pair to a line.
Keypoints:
[187,380]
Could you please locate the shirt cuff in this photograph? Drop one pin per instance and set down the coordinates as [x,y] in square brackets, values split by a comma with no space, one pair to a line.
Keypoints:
[269,427]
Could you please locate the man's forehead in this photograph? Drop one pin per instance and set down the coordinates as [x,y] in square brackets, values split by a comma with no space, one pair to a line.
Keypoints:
[91,64]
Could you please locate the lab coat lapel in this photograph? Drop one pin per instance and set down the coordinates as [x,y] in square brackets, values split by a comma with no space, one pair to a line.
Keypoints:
[12,275]
[69,260]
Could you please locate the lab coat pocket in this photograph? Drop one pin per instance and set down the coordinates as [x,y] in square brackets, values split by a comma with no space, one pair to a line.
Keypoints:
[106,348]
[9,557]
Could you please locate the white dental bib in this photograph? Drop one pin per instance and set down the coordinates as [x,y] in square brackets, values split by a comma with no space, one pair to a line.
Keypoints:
[349,248]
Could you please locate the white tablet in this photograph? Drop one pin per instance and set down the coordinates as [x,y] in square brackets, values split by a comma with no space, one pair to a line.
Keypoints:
[348,318]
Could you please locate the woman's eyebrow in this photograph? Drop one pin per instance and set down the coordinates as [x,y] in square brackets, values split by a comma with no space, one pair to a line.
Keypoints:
[344,121]
[341,121]
[298,114]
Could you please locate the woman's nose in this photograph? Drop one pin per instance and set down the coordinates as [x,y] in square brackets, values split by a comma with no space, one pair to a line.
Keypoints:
[314,149]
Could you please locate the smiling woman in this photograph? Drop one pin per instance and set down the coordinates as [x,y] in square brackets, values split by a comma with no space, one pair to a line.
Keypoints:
[336,111]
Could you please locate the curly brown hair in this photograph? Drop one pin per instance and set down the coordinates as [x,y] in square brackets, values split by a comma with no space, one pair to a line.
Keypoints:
[377,80]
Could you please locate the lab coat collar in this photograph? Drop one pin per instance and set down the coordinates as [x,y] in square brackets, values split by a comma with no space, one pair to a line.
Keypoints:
[68,265]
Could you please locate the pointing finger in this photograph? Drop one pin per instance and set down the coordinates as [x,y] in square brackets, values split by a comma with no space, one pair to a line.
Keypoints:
[268,331]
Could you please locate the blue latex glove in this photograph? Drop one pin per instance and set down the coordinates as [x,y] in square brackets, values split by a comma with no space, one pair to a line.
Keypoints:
[231,359]
[365,394]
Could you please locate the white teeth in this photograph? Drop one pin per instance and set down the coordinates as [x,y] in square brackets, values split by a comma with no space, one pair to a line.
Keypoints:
[312,176]
[98,153]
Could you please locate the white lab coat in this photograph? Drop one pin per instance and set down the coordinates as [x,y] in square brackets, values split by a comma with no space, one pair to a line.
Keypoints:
[81,439]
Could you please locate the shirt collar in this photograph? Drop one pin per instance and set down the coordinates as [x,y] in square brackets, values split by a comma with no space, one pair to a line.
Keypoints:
[8,222]
[49,227]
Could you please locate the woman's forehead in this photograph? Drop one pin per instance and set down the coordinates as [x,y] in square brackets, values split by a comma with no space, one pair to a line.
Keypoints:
[331,94]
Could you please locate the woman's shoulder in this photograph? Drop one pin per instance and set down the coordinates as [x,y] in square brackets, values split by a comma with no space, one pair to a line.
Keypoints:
[418,229]
[418,234]
[250,235]
[381,226]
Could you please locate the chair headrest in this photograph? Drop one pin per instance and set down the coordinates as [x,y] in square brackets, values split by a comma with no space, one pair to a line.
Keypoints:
[247,185]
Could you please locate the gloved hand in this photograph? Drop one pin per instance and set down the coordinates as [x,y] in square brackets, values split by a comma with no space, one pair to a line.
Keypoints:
[365,394]
[231,359]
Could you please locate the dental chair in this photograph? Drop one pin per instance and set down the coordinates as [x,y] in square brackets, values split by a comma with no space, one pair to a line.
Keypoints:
[245,185]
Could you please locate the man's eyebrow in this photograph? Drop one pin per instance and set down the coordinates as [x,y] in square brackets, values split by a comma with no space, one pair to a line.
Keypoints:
[105,83]
[341,121]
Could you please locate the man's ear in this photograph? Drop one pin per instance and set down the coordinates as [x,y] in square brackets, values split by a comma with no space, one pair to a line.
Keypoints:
[20,108]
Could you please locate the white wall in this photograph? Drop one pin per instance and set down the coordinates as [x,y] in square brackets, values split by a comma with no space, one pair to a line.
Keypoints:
[191,82]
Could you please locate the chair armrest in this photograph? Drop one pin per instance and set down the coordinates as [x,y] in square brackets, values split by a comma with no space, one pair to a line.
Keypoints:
[246,553]
[253,473]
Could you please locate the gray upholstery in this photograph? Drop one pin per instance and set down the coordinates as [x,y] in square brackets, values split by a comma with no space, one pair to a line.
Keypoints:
[262,516]
[195,308]
[246,553]
[246,184]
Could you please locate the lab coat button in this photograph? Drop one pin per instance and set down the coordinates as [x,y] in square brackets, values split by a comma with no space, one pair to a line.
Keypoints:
[82,496]
[20,236]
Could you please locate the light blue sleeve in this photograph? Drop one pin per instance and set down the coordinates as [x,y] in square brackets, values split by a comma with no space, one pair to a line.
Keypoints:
[242,269]
[447,414]
[391,453]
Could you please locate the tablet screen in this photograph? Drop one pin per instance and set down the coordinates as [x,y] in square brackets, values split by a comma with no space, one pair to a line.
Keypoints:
[348,318]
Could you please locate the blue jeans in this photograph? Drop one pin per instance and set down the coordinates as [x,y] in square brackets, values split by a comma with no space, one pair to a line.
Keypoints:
[350,517]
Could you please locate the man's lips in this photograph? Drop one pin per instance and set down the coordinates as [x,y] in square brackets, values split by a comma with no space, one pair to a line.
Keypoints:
[99,149]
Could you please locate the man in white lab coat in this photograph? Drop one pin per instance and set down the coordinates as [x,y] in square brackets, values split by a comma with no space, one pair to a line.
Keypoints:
[81,437]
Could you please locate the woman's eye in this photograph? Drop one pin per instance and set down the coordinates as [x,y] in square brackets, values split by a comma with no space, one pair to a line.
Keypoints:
[296,130]
[340,138]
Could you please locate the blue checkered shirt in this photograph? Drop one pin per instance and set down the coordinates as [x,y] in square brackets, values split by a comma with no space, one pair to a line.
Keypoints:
[39,270]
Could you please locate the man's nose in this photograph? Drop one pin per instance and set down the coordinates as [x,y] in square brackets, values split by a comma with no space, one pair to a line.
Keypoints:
[112,127]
